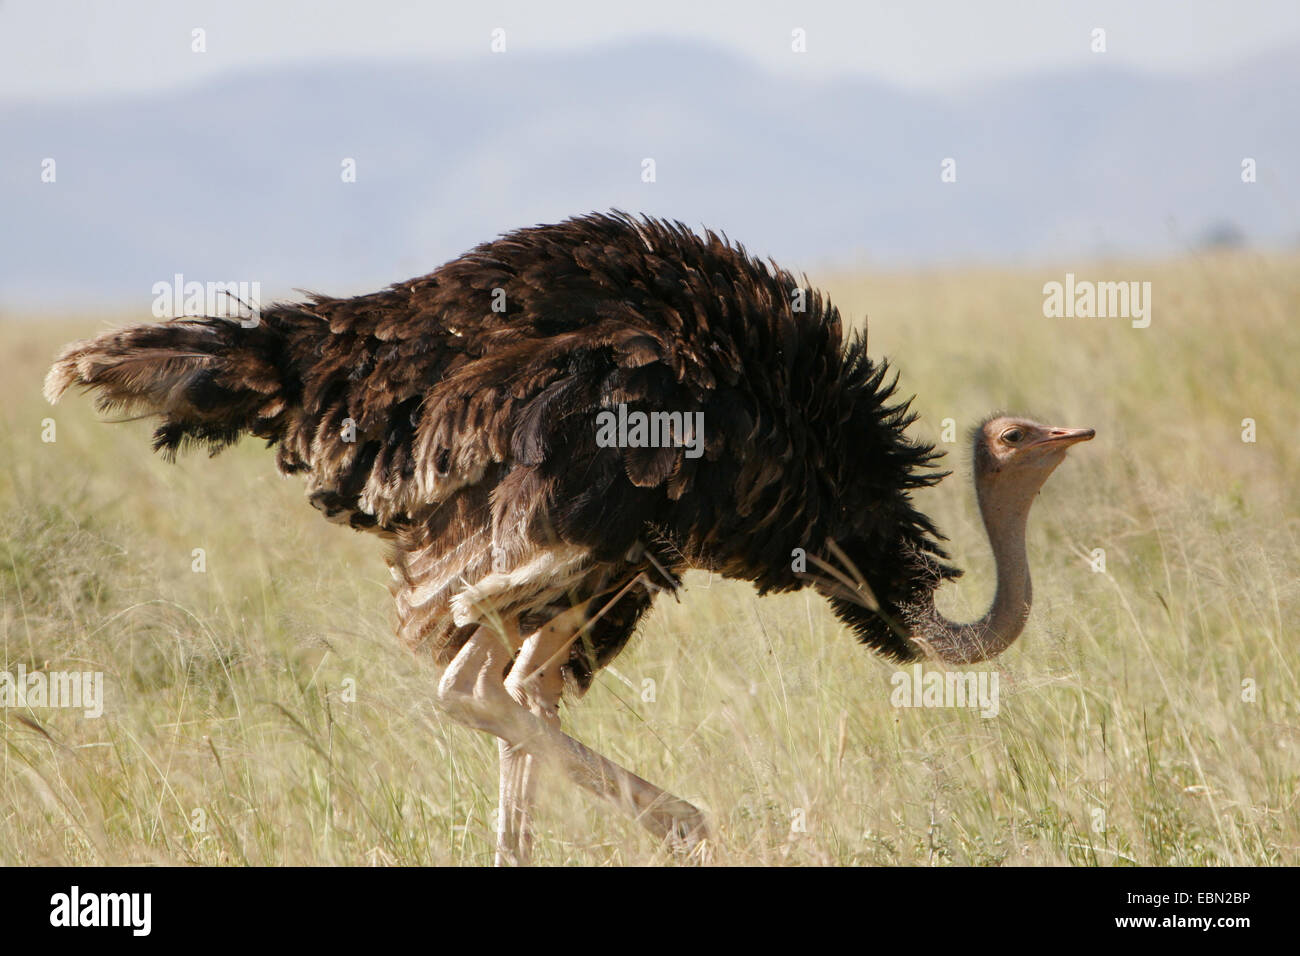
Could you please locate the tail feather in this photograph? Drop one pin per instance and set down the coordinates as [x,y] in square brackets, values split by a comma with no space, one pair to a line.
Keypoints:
[209,380]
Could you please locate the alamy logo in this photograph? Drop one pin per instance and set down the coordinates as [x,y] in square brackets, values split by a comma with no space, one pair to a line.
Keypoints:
[968,689]
[1085,299]
[75,908]
[636,429]
[83,689]
[217,300]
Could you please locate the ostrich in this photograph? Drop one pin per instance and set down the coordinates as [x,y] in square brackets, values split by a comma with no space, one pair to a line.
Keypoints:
[461,418]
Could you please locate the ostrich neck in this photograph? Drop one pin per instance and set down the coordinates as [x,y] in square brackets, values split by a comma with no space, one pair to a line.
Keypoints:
[1004,502]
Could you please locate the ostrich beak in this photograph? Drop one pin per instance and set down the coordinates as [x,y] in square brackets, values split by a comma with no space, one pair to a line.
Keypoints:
[1065,437]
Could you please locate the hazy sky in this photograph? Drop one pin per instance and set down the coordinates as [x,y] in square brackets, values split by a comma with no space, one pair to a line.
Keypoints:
[71,48]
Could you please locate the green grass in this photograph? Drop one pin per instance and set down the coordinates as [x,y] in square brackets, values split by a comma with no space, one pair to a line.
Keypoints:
[1122,736]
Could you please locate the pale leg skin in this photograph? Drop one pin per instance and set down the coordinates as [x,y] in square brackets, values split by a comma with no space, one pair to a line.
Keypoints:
[474,692]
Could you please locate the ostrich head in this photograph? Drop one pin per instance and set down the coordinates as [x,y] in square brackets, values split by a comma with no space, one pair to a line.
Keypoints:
[1013,456]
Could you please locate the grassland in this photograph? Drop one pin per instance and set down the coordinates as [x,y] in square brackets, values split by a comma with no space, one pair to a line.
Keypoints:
[1124,734]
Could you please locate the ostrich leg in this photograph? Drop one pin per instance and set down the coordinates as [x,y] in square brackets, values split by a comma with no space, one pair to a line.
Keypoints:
[535,682]
[517,792]
[472,691]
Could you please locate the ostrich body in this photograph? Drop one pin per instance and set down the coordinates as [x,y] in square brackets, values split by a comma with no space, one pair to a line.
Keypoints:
[457,415]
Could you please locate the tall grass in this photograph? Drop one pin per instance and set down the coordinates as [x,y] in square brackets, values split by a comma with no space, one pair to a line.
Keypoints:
[260,711]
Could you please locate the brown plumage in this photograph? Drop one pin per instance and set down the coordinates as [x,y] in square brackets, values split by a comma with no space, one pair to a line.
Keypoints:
[455,416]
[472,430]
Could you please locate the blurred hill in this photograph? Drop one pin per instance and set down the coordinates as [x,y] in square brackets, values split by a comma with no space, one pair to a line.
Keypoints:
[240,178]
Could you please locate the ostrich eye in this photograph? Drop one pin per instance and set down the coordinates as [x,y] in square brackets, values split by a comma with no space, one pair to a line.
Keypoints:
[1012,435]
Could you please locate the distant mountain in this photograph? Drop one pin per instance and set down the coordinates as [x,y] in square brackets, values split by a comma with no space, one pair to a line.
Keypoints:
[240,178]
